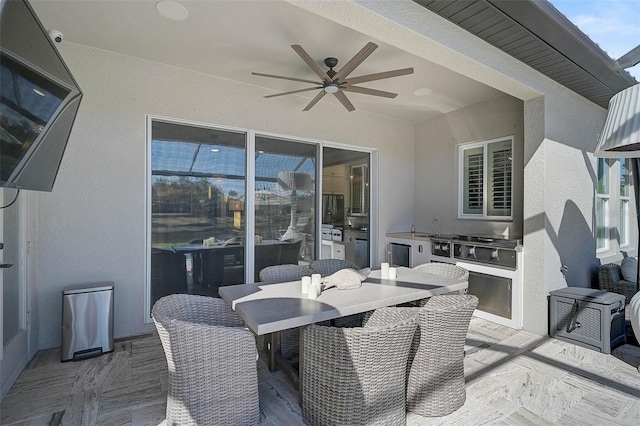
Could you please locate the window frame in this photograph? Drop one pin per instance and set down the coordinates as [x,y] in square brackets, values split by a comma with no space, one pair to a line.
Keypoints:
[624,233]
[462,148]
[606,198]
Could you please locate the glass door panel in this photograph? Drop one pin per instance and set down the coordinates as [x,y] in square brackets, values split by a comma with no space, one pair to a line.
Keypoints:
[198,180]
[346,172]
[285,202]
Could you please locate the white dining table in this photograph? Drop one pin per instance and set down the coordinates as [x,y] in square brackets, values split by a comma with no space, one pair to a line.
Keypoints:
[267,308]
[271,308]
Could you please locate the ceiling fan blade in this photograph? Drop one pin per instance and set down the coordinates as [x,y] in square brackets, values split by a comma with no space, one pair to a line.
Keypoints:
[377,76]
[315,100]
[344,100]
[366,91]
[309,61]
[355,61]
[286,78]
[294,91]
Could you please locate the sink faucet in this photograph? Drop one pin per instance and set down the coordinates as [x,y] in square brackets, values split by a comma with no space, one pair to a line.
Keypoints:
[434,227]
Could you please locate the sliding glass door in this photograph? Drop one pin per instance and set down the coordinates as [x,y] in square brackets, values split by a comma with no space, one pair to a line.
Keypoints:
[285,202]
[197,209]
[198,206]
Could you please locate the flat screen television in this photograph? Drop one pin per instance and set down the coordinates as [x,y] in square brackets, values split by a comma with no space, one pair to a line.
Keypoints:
[39,99]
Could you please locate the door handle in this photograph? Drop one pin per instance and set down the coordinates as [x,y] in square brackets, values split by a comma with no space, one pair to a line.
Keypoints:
[5,265]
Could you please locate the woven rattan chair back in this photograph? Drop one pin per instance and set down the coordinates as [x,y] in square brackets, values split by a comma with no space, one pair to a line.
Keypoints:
[289,339]
[326,267]
[211,359]
[435,385]
[284,273]
[444,269]
[356,376]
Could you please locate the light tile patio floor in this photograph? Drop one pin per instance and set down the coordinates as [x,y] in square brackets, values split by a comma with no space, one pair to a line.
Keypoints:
[513,378]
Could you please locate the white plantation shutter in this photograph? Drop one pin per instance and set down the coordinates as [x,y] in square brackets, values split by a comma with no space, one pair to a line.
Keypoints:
[473,180]
[486,179]
[499,179]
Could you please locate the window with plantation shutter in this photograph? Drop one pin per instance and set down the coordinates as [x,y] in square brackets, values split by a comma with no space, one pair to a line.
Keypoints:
[473,181]
[486,179]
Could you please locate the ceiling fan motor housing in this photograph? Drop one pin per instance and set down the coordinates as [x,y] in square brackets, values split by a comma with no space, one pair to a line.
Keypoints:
[331,63]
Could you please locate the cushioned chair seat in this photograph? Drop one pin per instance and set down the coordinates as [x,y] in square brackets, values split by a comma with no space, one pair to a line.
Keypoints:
[610,278]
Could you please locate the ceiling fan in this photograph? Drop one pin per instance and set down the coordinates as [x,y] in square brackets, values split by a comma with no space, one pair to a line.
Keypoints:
[338,82]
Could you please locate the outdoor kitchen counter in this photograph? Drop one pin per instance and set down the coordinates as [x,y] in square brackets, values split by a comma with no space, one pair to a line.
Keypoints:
[418,236]
[494,263]
[427,236]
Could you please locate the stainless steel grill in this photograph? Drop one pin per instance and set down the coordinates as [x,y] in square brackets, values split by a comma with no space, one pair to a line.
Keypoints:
[495,292]
[477,249]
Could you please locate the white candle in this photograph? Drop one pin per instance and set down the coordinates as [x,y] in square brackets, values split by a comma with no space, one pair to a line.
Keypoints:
[312,292]
[305,284]
[392,273]
[384,270]
[315,279]
[314,287]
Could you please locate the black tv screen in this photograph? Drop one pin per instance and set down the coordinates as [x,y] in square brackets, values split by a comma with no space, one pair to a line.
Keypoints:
[39,99]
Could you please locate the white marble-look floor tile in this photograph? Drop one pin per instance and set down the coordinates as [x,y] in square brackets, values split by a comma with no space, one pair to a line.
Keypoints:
[82,407]
[524,417]
[630,413]
[544,395]
[150,415]
[513,378]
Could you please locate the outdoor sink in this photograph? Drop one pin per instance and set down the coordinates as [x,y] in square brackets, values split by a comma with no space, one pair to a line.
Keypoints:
[423,234]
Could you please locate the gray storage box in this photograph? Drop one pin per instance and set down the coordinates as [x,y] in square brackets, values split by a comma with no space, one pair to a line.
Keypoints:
[588,317]
[87,321]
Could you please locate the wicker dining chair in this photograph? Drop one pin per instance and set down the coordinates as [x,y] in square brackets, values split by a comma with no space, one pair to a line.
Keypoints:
[448,270]
[211,357]
[357,376]
[289,339]
[327,267]
[435,385]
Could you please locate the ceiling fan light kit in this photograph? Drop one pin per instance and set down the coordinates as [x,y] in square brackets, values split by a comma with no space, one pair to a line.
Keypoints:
[337,83]
[331,87]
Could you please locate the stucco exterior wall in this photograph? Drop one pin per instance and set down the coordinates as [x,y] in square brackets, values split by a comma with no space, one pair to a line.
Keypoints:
[436,165]
[92,227]
[560,134]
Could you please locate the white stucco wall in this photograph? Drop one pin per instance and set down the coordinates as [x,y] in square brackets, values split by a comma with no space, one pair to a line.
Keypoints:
[560,134]
[92,226]
[436,165]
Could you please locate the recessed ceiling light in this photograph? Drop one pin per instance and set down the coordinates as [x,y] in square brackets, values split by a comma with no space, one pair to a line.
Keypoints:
[422,92]
[214,150]
[172,10]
